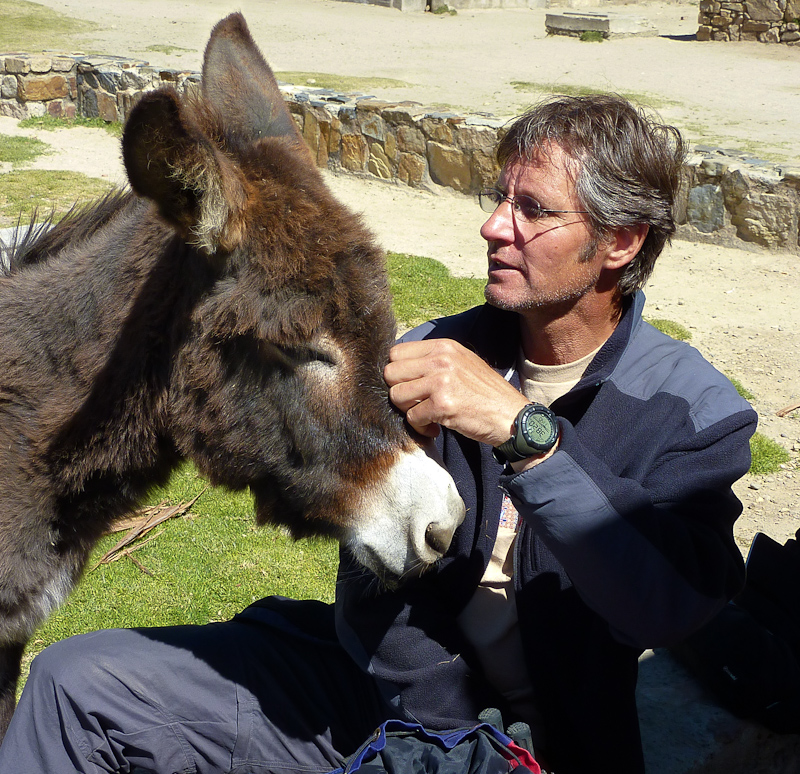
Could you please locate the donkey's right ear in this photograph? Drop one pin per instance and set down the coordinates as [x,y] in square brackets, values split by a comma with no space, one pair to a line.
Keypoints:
[169,160]
[240,85]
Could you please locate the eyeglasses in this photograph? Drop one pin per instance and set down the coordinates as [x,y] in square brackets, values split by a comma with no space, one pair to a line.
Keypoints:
[525,208]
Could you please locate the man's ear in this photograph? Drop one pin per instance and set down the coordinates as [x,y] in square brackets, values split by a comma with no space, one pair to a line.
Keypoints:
[624,245]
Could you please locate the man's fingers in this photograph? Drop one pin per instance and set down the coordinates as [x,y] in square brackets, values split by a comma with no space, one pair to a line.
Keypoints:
[409,350]
[428,429]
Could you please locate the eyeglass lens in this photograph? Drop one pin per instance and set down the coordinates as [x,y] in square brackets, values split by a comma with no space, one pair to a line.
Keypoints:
[524,207]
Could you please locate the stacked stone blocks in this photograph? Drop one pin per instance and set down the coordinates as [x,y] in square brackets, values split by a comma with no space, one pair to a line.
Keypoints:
[727,197]
[766,21]
[730,198]
[397,141]
[47,82]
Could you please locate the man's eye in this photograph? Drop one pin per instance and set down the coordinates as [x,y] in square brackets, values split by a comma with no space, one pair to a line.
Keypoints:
[528,208]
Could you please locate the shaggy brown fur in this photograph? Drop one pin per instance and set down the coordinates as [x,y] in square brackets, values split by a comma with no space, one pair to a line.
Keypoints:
[227,310]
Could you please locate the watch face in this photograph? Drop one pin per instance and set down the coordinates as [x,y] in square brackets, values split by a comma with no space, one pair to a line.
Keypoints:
[539,428]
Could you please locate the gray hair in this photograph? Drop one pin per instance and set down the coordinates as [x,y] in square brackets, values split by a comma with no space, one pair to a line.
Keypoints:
[627,167]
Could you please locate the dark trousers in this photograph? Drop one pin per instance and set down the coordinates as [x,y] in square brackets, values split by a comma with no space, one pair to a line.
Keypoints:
[269,691]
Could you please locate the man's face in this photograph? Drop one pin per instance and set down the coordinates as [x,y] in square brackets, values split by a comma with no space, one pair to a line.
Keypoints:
[547,262]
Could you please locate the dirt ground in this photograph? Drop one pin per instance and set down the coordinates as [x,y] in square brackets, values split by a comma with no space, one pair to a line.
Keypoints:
[740,305]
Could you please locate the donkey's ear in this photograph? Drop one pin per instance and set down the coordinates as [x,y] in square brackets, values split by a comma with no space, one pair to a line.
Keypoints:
[170,161]
[239,84]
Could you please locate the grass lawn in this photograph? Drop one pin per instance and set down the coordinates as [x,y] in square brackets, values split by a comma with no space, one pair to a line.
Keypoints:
[30,27]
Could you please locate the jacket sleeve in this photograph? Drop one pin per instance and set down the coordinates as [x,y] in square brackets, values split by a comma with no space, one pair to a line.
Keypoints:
[652,552]
[406,639]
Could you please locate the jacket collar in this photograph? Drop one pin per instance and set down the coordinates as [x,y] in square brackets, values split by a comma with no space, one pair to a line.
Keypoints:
[494,335]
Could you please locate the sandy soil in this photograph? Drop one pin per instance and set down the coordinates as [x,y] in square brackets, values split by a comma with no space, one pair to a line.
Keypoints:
[741,95]
[741,306]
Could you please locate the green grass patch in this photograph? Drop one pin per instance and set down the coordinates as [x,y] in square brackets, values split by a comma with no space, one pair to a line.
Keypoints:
[24,191]
[339,82]
[30,27]
[20,150]
[768,455]
[676,330]
[423,288]
[162,48]
[52,124]
[591,36]
[206,566]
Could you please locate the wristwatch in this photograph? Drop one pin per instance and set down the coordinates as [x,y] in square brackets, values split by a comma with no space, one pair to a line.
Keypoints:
[535,432]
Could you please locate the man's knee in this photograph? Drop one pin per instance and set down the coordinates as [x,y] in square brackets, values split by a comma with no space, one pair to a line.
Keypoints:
[80,663]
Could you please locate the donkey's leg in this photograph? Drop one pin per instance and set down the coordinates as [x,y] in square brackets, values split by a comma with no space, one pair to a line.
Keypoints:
[10,666]
[35,578]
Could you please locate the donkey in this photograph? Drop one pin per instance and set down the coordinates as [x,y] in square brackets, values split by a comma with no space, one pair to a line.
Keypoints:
[226,310]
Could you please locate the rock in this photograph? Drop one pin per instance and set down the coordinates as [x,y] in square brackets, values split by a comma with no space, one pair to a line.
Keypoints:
[449,166]
[763,10]
[705,208]
[411,169]
[40,88]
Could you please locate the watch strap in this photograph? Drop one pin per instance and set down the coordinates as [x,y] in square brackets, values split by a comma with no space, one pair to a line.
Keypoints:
[506,452]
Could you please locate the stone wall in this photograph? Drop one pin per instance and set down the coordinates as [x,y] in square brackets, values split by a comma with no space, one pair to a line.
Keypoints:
[767,21]
[68,85]
[397,141]
[732,199]
[727,197]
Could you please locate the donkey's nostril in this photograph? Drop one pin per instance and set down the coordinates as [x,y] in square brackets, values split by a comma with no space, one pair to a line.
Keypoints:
[438,537]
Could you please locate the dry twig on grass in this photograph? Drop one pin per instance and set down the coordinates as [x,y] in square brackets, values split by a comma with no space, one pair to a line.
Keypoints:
[788,410]
[138,525]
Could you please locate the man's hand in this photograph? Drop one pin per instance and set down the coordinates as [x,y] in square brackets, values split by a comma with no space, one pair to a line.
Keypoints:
[440,382]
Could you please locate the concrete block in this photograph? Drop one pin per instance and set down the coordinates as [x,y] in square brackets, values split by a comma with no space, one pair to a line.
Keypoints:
[574,23]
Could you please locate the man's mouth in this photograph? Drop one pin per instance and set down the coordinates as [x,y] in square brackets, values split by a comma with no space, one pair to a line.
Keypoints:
[497,265]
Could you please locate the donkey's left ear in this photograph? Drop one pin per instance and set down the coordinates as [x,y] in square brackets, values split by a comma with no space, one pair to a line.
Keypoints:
[239,84]
[169,160]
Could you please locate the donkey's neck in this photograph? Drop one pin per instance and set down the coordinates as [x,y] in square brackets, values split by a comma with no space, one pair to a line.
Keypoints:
[113,310]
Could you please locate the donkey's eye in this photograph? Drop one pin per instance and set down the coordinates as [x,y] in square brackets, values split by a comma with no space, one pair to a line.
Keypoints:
[310,356]
[293,357]
[320,356]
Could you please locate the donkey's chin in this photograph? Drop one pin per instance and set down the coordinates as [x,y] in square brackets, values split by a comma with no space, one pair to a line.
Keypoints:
[408,521]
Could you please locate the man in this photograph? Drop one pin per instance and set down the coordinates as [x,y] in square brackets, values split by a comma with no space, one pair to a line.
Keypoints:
[616,534]
[595,456]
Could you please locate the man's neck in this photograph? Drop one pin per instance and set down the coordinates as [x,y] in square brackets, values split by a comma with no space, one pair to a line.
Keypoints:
[553,337]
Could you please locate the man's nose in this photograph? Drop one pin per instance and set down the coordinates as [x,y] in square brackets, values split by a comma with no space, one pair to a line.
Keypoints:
[499,227]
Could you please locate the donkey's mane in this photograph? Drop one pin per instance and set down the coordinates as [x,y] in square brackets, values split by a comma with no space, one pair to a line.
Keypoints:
[38,240]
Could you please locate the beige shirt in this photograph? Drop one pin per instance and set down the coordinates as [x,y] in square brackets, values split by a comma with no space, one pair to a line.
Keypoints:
[489,620]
